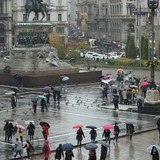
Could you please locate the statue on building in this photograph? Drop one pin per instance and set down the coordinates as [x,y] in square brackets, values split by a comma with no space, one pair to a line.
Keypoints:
[36,6]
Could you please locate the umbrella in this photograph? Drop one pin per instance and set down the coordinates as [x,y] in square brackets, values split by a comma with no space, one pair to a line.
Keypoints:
[41,97]
[133,86]
[20,126]
[90,126]
[90,146]
[107,76]
[108,126]
[44,124]
[149,148]
[106,81]
[77,126]
[8,120]
[67,147]
[103,143]
[34,100]
[65,78]
[9,93]
[15,89]
[57,88]
[140,97]
[145,83]
[120,70]
[136,77]
[46,89]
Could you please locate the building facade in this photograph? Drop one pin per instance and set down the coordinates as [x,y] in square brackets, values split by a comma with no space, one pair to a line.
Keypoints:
[5,26]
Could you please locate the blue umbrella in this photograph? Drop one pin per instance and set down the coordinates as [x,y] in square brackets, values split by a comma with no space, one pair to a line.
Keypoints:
[67,147]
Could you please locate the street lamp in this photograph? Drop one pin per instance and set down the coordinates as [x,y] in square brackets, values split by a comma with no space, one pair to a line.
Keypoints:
[152,4]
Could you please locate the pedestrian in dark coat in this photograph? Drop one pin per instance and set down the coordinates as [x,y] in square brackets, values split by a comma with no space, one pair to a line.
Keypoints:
[43,105]
[115,102]
[154,153]
[131,130]
[11,131]
[158,126]
[116,132]
[6,129]
[34,106]
[106,134]
[31,129]
[28,147]
[59,152]
[93,135]
[69,155]
[103,153]
[80,136]
[13,101]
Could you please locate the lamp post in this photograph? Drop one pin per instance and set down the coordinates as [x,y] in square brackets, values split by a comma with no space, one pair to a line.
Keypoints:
[152,4]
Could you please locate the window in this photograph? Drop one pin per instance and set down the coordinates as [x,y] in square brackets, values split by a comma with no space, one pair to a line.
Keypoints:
[59,17]
[60,29]
[59,2]
[48,17]
[24,17]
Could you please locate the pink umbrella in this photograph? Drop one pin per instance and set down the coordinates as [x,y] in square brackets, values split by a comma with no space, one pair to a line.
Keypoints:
[108,126]
[107,77]
[145,83]
[20,126]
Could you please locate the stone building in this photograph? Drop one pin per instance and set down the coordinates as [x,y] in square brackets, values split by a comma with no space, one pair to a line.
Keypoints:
[5,26]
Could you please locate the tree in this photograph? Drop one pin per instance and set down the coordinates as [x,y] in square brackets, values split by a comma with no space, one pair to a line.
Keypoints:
[127,43]
[131,51]
[83,45]
[56,42]
[144,48]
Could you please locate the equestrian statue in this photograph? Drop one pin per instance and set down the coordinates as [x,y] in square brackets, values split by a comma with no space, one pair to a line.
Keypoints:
[36,6]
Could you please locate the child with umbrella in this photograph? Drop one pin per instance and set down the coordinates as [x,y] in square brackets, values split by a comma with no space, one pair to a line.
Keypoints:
[45,128]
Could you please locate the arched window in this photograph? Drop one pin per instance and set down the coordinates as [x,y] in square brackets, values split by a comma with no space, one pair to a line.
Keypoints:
[2,34]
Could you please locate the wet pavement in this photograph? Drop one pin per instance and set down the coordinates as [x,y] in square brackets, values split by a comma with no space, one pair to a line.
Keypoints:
[82,104]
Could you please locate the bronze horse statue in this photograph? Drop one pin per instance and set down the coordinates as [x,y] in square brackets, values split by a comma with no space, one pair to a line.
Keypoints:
[36,6]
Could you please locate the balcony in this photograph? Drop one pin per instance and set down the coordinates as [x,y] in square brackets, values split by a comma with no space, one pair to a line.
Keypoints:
[60,8]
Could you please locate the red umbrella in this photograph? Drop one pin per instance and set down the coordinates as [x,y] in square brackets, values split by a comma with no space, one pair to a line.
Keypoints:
[108,126]
[145,83]
[77,126]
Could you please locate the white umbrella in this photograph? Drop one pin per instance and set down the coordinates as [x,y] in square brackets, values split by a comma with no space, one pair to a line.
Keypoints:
[149,148]
[106,81]
[65,78]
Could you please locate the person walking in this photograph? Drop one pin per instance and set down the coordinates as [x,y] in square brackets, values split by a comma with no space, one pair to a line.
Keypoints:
[21,133]
[116,132]
[131,130]
[92,155]
[13,100]
[59,152]
[11,131]
[115,102]
[140,105]
[103,152]
[45,131]
[31,130]
[69,155]
[46,150]
[43,105]
[18,148]
[106,134]
[80,136]
[158,126]
[34,106]
[124,94]
[29,148]
[154,153]
[93,134]
[6,129]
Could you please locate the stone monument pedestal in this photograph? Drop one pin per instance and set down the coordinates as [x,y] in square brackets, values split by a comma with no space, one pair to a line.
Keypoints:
[152,102]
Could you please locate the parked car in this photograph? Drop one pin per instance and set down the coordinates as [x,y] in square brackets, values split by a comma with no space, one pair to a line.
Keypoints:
[89,54]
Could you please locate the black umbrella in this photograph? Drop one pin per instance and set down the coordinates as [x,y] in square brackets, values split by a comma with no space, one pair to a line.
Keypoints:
[91,126]
[8,120]
[137,78]
[15,89]
[44,124]
[34,100]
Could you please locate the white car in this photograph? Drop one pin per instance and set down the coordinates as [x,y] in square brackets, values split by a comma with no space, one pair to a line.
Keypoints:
[89,55]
